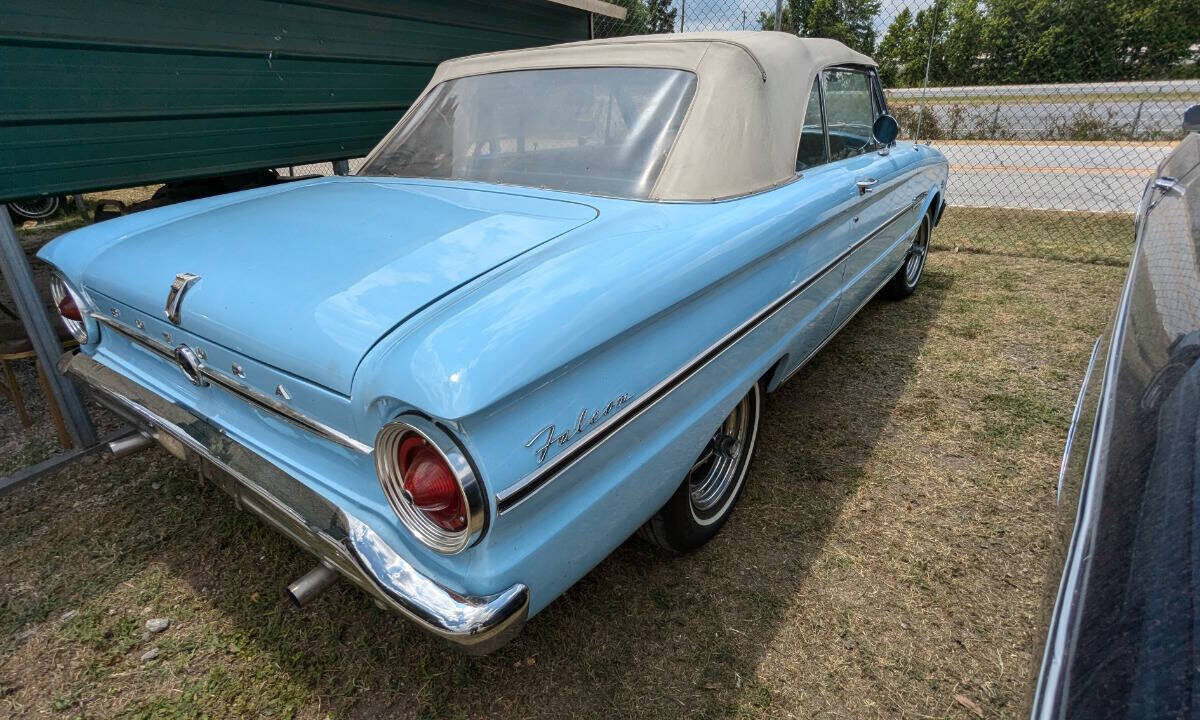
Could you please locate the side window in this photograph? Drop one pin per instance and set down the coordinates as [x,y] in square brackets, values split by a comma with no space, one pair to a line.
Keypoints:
[849,112]
[812,136]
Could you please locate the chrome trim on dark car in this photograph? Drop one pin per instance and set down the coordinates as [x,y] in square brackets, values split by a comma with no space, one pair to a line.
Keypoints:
[476,623]
[520,491]
[1073,428]
[242,390]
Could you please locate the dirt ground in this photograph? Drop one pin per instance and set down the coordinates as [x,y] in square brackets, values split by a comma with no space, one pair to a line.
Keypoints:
[886,560]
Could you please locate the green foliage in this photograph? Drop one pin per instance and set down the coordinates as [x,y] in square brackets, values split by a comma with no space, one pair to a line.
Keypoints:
[850,21]
[897,50]
[985,42]
[643,17]
[957,30]
[1041,41]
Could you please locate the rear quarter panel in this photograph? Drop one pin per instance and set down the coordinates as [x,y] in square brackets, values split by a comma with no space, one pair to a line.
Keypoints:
[600,316]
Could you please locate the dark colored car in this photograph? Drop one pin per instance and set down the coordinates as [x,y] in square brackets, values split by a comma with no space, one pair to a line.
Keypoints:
[1123,636]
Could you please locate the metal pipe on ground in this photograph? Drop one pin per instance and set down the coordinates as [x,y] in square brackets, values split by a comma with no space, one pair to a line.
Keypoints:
[129,444]
[311,584]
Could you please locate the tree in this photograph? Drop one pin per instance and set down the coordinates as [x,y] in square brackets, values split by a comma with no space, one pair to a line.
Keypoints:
[642,17]
[961,44]
[787,22]
[956,28]
[1090,40]
[850,21]
[661,16]
[1158,39]
[895,51]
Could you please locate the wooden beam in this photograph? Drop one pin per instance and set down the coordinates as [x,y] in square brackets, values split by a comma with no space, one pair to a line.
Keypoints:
[594,6]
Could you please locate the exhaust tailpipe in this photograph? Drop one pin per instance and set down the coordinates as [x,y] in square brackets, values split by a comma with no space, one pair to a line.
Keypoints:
[309,585]
[129,444]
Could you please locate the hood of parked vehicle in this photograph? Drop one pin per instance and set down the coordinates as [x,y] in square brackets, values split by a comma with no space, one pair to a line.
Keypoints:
[309,277]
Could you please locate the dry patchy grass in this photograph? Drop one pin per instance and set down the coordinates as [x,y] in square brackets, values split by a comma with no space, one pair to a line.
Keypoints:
[887,555]
[1090,237]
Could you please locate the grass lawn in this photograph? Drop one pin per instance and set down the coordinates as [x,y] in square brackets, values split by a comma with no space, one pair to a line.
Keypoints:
[886,558]
[1088,237]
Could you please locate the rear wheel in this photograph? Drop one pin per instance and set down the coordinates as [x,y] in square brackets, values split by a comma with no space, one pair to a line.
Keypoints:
[705,498]
[904,282]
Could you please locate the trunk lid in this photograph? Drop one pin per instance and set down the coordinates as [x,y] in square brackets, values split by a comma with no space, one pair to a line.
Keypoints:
[309,278]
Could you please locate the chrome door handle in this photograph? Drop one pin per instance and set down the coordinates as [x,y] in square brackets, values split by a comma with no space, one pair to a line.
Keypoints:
[866,185]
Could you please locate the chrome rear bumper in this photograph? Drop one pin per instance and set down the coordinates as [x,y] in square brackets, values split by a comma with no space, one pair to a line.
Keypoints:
[477,624]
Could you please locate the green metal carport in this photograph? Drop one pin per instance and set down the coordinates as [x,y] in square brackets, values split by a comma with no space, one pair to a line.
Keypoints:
[97,95]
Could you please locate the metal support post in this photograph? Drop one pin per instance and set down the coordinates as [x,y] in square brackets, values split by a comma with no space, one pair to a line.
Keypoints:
[341,167]
[46,344]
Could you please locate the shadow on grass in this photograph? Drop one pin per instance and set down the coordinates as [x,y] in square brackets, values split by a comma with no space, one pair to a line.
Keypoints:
[642,635]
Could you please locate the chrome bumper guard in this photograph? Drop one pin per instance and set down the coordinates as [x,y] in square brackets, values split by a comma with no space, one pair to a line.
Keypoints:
[477,624]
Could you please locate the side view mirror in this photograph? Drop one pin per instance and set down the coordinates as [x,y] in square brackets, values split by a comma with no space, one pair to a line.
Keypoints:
[1191,119]
[885,129]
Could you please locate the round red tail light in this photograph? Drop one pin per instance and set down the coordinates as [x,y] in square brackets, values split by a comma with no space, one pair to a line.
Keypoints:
[430,484]
[68,309]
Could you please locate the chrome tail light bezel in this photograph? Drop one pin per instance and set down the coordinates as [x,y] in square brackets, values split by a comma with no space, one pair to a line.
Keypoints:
[61,288]
[387,445]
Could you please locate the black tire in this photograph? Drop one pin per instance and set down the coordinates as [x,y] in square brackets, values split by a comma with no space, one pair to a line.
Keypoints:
[38,208]
[905,281]
[706,497]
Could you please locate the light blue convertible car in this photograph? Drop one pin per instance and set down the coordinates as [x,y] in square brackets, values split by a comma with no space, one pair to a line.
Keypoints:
[542,316]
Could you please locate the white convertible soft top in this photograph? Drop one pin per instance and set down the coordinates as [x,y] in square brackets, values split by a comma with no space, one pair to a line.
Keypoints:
[742,130]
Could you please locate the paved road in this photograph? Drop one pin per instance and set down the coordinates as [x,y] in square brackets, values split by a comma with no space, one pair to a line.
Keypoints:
[1080,176]
[1191,86]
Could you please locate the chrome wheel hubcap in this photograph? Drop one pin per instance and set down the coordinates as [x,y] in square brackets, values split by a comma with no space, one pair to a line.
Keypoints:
[916,256]
[36,208]
[719,465]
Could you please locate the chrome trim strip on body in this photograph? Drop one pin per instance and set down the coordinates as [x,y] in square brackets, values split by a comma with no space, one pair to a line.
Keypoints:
[478,624]
[1075,416]
[242,390]
[841,326]
[523,489]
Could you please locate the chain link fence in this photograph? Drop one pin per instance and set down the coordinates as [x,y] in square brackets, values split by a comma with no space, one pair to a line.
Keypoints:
[1052,115]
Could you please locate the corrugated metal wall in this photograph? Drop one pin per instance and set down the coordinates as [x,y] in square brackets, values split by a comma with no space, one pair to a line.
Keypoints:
[99,95]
